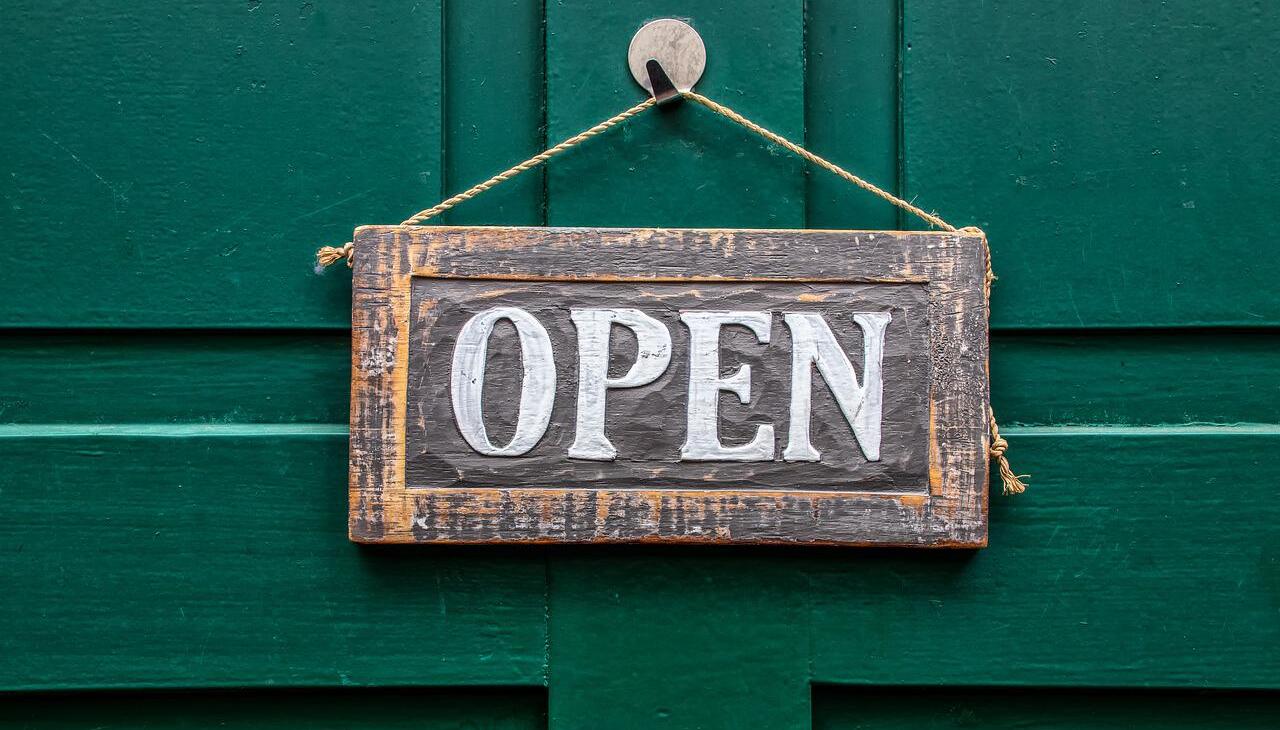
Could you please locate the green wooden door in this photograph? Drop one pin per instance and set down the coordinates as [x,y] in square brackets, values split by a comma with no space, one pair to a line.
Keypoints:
[174,373]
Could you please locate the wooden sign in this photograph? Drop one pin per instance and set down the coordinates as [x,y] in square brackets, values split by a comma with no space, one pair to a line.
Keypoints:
[630,385]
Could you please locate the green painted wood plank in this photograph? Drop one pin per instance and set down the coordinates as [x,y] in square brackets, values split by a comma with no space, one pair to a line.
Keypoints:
[922,708]
[678,166]
[198,560]
[658,639]
[852,80]
[1138,558]
[227,376]
[130,376]
[1136,378]
[178,165]
[454,709]
[1121,157]
[677,638]
[493,100]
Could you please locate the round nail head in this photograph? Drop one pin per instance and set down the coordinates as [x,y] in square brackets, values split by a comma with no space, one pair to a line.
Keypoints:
[675,45]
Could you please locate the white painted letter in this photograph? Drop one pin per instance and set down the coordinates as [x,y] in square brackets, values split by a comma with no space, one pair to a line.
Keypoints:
[702,443]
[538,390]
[813,343]
[653,354]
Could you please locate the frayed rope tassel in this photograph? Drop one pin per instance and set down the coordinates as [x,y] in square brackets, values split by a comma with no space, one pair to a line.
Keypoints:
[329,255]
[1012,483]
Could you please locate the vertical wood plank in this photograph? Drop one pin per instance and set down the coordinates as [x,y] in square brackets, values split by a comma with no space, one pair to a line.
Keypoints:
[680,166]
[851,109]
[1121,157]
[676,638]
[493,106]
[649,638]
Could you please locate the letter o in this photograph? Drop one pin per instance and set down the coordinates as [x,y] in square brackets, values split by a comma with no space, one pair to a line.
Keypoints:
[538,388]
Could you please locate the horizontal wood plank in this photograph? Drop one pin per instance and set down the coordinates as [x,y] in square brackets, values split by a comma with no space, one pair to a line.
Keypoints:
[1159,559]
[200,560]
[348,708]
[172,502]
[1136,378]
[148,376]
[1140,557]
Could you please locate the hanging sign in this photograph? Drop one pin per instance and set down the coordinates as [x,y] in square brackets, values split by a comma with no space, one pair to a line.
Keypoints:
[637,385]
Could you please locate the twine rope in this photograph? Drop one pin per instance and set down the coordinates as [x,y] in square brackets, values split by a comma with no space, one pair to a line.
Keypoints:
[1011,483]
[796,149]
[332,254]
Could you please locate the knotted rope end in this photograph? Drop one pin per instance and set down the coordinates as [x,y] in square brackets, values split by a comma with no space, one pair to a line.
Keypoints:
[330,255]
[1010,483]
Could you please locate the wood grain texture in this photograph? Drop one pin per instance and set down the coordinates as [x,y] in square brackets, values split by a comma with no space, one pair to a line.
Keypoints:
[494,110]
[230,142]
[349,709]
[677,166]
[212,148]
[851,104]
[1119,158]
[149,376]
[1131,378]
[733,656]
[1107,582]
[215,557]
[647,425]
[1149,558]
[385,507]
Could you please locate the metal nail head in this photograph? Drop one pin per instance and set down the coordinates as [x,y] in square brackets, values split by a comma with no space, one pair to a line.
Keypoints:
[679,54]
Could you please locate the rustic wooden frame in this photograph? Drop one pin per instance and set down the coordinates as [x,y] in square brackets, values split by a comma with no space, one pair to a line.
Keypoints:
[950,511]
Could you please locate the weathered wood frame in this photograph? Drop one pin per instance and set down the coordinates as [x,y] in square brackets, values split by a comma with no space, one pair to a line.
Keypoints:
[950,511]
